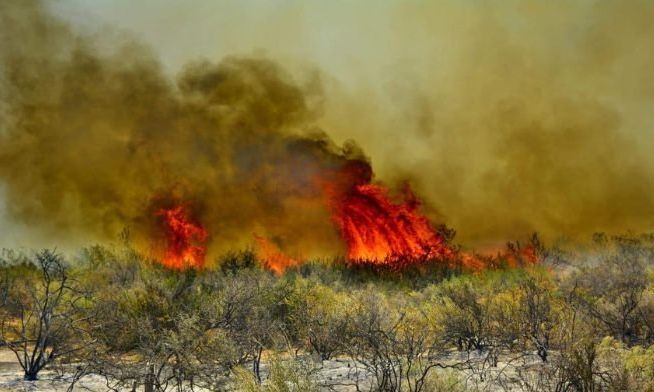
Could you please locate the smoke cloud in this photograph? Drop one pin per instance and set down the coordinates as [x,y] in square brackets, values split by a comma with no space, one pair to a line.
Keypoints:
[511,117]
[95,142]
[506,117]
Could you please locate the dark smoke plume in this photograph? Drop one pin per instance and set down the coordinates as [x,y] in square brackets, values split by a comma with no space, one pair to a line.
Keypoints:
[507,117]
[94,142]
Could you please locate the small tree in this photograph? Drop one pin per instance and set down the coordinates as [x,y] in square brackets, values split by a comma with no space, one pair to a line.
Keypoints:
[466,314]
[537,318]
[162,333]
[42,322]
[610,287]
[318,316]
[285,376]
[396,344]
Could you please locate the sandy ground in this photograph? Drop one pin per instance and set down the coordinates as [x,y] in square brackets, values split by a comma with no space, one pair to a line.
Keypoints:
[340,375]
[11,378]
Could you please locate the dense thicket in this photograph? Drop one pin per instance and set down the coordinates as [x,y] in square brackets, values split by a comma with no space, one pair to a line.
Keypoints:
[582,319]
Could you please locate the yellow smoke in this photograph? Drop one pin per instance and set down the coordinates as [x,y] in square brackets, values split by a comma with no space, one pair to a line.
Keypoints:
[506,116]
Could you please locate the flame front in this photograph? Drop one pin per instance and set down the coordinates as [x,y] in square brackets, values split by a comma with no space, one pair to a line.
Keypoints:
[185,239]
[375,228]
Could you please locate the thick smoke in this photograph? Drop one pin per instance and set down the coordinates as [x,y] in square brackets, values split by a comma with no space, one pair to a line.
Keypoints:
[507,116]
[95,142]
[513,116]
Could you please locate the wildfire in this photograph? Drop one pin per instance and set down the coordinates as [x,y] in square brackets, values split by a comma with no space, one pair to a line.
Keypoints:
[273,258]
[377,229]
[185,239]
[521,256]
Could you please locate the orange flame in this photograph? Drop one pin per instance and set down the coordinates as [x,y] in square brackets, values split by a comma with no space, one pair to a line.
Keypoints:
[473,262]
[272,257]
[185,239]
[376,229]
[521,256]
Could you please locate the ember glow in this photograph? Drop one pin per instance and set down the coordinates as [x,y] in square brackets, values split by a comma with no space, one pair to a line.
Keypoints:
[185,239]
[376,229]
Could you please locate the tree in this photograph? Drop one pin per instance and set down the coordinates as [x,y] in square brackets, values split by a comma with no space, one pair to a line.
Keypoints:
[610,286]
[318,317]
[164,332]
[285,376]
[537,315]
[465,314]
[43,321]
[395,342]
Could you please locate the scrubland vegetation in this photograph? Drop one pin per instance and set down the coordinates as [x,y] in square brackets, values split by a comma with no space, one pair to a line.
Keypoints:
[582,319]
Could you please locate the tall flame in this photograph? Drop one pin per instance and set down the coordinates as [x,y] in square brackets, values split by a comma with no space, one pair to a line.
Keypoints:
[377,229]
[185,239]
